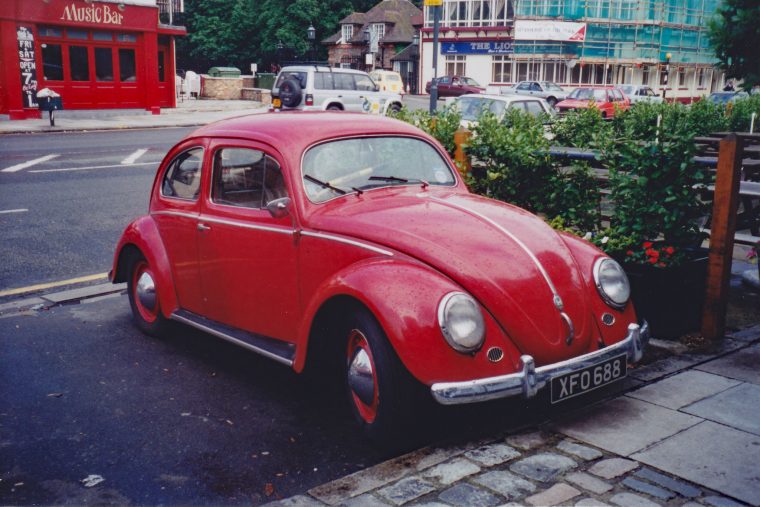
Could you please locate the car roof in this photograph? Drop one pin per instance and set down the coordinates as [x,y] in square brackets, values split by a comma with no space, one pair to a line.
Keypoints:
[503,98]
[296,130]
[319,68]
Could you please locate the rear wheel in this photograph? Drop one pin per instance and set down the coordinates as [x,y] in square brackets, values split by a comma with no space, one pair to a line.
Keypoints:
[143,298]
[334,107]
[394,108]
[381,391]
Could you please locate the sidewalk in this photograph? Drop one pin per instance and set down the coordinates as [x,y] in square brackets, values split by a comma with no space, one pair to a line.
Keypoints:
[188,113]
[682,430]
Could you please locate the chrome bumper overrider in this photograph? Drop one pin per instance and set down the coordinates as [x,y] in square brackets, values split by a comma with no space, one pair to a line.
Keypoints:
[528,381]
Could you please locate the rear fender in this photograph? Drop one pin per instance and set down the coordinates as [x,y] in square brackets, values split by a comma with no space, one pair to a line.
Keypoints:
[404,296]
[142,235]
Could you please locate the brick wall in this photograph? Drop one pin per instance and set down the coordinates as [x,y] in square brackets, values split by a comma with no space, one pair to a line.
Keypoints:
[222,88]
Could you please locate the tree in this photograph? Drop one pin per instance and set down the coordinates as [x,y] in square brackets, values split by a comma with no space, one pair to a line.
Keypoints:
[735,36]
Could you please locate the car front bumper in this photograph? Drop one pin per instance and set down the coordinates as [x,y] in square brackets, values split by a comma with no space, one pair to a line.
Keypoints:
[530,379]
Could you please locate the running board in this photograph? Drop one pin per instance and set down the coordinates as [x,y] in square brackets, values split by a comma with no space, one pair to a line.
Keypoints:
[282,352]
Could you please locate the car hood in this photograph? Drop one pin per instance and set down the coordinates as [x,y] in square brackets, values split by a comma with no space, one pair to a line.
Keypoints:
[578,103]
[505,257]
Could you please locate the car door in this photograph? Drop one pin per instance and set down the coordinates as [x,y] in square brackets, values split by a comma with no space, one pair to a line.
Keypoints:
[345,88]
[175,208]
[523,88]
[368,98]
[247,258]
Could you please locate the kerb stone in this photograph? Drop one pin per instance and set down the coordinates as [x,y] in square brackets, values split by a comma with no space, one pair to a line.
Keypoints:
[467,494]
[452,471]
[494,454]
[583,452]
[543,467]
[506,483]
[613,467]
[588,482]
[406,490]
[631,500]
[648,489]
[679,487]
[556,495]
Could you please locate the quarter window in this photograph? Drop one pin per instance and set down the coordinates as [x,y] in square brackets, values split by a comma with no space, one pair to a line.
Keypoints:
[183,177]
[364,83]
[246,178]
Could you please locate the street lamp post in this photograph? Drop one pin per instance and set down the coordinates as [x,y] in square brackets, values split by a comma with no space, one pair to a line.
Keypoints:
[434,81]
[665,73]
[311,34]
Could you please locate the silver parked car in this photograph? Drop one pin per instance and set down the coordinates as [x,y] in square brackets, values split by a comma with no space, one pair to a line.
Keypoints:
[640,93]
[472,105]
[312,87]
[547,90]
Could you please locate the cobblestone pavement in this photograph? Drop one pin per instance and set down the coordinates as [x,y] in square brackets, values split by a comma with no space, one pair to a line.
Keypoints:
[686,433]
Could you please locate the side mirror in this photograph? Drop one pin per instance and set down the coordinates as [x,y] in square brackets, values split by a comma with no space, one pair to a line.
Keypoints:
[279,208]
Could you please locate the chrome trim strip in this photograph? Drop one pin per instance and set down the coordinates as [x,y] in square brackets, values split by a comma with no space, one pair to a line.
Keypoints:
[176,213]
[523,246]
[231,339]
[530,379]
[347,241]
[244,225]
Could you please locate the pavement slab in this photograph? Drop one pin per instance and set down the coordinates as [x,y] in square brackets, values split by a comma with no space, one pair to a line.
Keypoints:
[725,459]
[675,485]
[613,467]
[642,424]
[683,389]
[741,365]
[738,407]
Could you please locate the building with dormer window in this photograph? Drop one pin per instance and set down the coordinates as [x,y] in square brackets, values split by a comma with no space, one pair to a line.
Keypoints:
[370,40]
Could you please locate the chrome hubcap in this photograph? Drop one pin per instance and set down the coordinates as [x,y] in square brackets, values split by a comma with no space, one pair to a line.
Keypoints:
[146,291]
[361,377]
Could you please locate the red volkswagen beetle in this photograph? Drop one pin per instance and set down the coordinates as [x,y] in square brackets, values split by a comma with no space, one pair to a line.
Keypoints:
[321,239]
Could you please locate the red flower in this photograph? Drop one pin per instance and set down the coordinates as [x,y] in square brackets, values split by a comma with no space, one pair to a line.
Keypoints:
[629,253]
[651,252]
[652,260]
[661,264]
[647,244]
[669,250]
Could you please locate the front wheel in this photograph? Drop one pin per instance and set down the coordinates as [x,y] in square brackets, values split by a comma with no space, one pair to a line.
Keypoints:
[143,298]
[381,391]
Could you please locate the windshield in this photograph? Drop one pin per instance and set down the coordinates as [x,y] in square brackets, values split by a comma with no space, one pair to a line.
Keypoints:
[348,165]
[628,90]
[469,81]
[721,98]
[551,86]
[588,94]
[472,107]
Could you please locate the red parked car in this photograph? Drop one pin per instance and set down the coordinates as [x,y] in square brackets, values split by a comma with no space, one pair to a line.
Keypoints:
[607,100]
[454,86]
[323,240]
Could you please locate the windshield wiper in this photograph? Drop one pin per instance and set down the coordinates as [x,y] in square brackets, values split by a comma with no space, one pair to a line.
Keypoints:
[325,184]
[400,180]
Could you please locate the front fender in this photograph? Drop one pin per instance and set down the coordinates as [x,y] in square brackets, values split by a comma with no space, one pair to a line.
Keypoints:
[143,235]
[403,295]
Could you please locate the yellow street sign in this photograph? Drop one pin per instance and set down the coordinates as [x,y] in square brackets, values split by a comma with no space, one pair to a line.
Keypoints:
[433,3]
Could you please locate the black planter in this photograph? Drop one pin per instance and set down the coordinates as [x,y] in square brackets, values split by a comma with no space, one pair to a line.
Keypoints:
[670,299]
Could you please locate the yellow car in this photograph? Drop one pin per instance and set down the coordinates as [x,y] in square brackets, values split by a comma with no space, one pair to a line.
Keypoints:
[388,81]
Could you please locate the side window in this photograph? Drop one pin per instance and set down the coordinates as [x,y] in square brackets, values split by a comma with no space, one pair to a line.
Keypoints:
[323,80]
[343,81]
[535,87]
[534,108]
[364,83]
[524,86]
[443,80]
[246,178]
[182,179]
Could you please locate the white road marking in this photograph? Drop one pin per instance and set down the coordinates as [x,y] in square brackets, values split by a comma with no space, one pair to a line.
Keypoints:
[69,169]
[20,210]
[134,156]
[30,163]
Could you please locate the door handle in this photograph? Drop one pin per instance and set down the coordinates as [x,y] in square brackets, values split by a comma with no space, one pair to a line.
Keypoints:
[203,227]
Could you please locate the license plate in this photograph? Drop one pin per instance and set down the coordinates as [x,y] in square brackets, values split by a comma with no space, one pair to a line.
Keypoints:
[276,103]
[582,381]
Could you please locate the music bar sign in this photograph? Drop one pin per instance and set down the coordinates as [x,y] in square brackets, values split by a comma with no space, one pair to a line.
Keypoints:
[477,48]
[28,64]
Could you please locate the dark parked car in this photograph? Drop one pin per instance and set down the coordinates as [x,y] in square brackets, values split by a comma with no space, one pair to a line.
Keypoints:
[454,86]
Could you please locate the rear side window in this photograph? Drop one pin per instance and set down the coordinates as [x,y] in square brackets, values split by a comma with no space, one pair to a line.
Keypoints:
[534,108]
[323,81]
[182,179]
[343,81]
[246,178]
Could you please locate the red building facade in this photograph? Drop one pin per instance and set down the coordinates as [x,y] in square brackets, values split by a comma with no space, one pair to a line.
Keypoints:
[95,54]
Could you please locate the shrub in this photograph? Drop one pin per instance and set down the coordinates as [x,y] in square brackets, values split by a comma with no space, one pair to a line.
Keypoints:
[441,125]
[581,128]
[740,114]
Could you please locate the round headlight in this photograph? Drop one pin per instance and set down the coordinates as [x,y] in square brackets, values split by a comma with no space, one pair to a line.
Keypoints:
[461,322]
[611,282]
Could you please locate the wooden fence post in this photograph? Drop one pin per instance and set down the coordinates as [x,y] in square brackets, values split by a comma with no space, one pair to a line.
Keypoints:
[722,229]
[462,137]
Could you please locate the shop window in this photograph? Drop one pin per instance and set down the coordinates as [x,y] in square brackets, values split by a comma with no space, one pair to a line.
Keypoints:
[502,69]
[102,36]
[103,64]
[645,76]
[455,65]
[52,62]
[78,63]
[49,31]
[126,37]
[161,67]
[682,77]
[76,34]
[127,67]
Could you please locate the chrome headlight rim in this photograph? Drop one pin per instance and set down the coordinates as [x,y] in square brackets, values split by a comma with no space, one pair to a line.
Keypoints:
[446,330]
[600,288]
